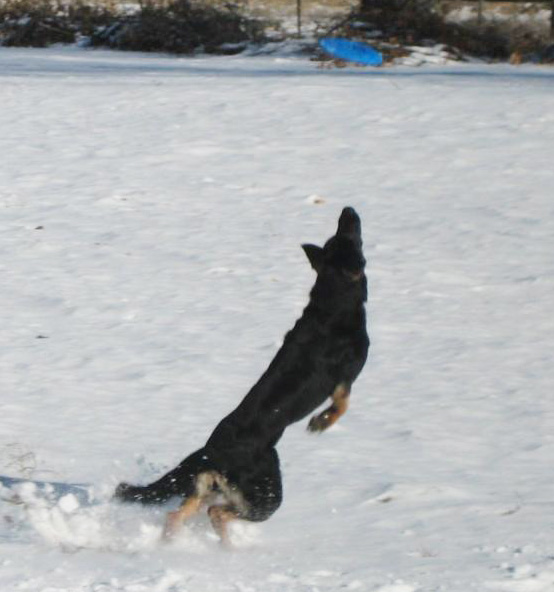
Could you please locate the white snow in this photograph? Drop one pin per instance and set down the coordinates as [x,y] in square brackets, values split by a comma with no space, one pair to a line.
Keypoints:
[152,210]
[529,14]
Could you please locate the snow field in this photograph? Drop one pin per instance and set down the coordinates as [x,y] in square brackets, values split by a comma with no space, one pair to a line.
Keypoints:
[152,210]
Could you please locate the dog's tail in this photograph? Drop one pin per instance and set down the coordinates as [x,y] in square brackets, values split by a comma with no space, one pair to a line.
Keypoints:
[147,495]
[179,482]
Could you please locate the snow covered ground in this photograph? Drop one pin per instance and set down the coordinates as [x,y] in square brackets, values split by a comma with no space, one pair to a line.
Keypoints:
[151,214]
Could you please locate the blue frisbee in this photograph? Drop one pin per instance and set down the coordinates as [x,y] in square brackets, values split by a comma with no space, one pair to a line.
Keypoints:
[352,51]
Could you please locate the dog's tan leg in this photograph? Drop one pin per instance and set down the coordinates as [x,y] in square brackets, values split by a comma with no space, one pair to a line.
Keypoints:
[220,517]
[329,416]
[175,519]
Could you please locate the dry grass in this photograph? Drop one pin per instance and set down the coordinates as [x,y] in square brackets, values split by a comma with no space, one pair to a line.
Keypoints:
[16,458]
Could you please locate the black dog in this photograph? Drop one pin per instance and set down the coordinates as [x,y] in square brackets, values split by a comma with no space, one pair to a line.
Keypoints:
[320,358]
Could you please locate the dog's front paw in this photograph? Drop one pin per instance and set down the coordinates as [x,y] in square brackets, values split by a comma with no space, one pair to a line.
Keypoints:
[318,423]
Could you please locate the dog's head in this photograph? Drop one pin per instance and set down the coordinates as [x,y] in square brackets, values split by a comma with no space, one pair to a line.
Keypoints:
[341,261]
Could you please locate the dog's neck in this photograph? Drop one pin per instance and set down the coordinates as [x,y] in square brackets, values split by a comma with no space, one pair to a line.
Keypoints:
[350,304]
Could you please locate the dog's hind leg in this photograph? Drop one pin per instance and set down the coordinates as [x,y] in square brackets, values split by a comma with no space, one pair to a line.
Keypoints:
[254,497]
[220,516]
[176,519]
[340,398]
[203,488]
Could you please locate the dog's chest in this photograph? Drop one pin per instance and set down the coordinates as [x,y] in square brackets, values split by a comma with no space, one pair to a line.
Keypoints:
[343,353]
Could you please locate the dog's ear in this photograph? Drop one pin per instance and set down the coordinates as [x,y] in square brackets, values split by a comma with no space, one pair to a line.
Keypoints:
[315,256]
[350,224]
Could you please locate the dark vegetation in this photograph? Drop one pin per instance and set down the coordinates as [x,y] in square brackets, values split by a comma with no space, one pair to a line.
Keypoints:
[179,26]
[395,25]
[39,23]
[188,26]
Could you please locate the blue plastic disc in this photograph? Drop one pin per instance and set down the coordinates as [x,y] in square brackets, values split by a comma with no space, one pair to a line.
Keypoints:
[353,51]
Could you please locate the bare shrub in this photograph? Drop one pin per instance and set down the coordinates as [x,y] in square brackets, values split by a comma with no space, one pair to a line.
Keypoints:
[396,24]
[182,27]
[177,26]
[39,23]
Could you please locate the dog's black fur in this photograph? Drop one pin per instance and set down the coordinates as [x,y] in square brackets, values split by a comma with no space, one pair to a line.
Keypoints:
[320,358]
